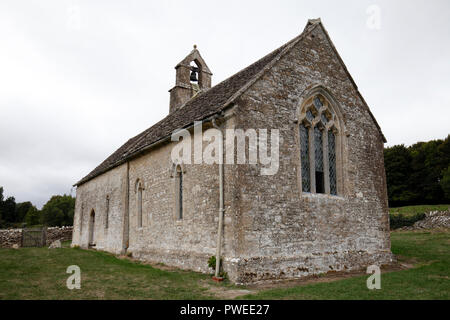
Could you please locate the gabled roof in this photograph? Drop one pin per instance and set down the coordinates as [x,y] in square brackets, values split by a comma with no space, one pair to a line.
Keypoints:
[200,107]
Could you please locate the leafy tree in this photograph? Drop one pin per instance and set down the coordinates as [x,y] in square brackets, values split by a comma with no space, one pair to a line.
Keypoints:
[22,209]
[426,171]
[398,169]
[417,174]
[445,182]
[58,211]
[8,210]
[32,217]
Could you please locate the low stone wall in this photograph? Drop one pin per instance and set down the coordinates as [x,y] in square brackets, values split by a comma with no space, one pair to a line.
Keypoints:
[432,220]
[59,233]
[9,237]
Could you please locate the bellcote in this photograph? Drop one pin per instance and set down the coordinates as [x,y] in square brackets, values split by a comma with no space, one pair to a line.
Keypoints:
[192,76]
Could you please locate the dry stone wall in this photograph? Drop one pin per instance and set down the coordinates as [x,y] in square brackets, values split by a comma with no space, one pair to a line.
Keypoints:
[432,220]
[9,237]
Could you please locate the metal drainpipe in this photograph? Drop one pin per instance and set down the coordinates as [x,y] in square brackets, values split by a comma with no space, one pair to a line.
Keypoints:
[221,209]
[126,217]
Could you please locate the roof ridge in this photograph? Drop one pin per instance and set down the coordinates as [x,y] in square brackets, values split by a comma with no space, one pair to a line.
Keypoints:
[283,47]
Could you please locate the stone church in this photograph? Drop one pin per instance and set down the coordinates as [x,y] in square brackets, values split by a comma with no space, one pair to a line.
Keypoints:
[325,209]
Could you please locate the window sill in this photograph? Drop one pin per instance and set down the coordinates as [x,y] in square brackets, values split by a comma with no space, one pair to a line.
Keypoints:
[321,196]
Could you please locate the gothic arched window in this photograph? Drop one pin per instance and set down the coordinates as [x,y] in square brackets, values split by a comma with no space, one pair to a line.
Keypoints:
[179,192]
[139,203]
[107,213]
[318,129]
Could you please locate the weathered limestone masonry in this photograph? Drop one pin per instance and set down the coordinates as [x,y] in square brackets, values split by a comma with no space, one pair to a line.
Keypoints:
[272,228]
[284,232]
[9,237]
[92,199]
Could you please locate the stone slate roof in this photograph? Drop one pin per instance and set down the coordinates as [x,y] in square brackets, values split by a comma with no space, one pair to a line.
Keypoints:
[201,106]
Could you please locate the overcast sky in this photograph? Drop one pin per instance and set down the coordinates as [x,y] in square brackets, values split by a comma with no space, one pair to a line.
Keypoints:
[79,78]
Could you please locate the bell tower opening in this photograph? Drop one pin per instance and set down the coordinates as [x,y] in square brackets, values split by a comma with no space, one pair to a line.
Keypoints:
[192,77]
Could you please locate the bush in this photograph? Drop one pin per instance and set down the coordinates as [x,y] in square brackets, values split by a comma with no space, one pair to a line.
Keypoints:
[400,220]
[212,265]
[212,262]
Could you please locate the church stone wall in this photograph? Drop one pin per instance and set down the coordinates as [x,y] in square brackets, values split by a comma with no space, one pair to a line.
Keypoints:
[286,233]
[91,196]
[186,242]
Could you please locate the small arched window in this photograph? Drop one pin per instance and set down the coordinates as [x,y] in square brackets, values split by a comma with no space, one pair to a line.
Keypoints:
[318,130]
[107,213]
[139,203]
[179,192]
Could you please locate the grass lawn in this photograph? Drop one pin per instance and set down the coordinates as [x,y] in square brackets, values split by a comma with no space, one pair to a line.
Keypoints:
[412,210]
[40,273]
[429,279]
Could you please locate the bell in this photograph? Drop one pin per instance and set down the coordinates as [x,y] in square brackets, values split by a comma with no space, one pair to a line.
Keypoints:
[193,77]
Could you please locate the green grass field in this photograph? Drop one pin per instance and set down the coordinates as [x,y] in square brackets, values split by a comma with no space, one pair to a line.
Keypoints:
[40,273]
[412,210]
[429,279]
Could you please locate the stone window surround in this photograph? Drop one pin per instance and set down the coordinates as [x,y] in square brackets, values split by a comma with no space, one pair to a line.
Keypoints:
[107,204]
[177,168]
[336,124]
[179,193]
[138,189]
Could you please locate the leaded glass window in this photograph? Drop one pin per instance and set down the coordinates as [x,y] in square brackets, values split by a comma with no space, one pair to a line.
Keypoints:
[318,157]
[309,115]
[332,161]
[304,154]
[317,103]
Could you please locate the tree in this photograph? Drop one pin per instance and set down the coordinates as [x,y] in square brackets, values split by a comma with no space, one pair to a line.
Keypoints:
[445,182]
[397,162]
[418,174]
[58,211]
[8,210]
[22,209]
[32,216]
